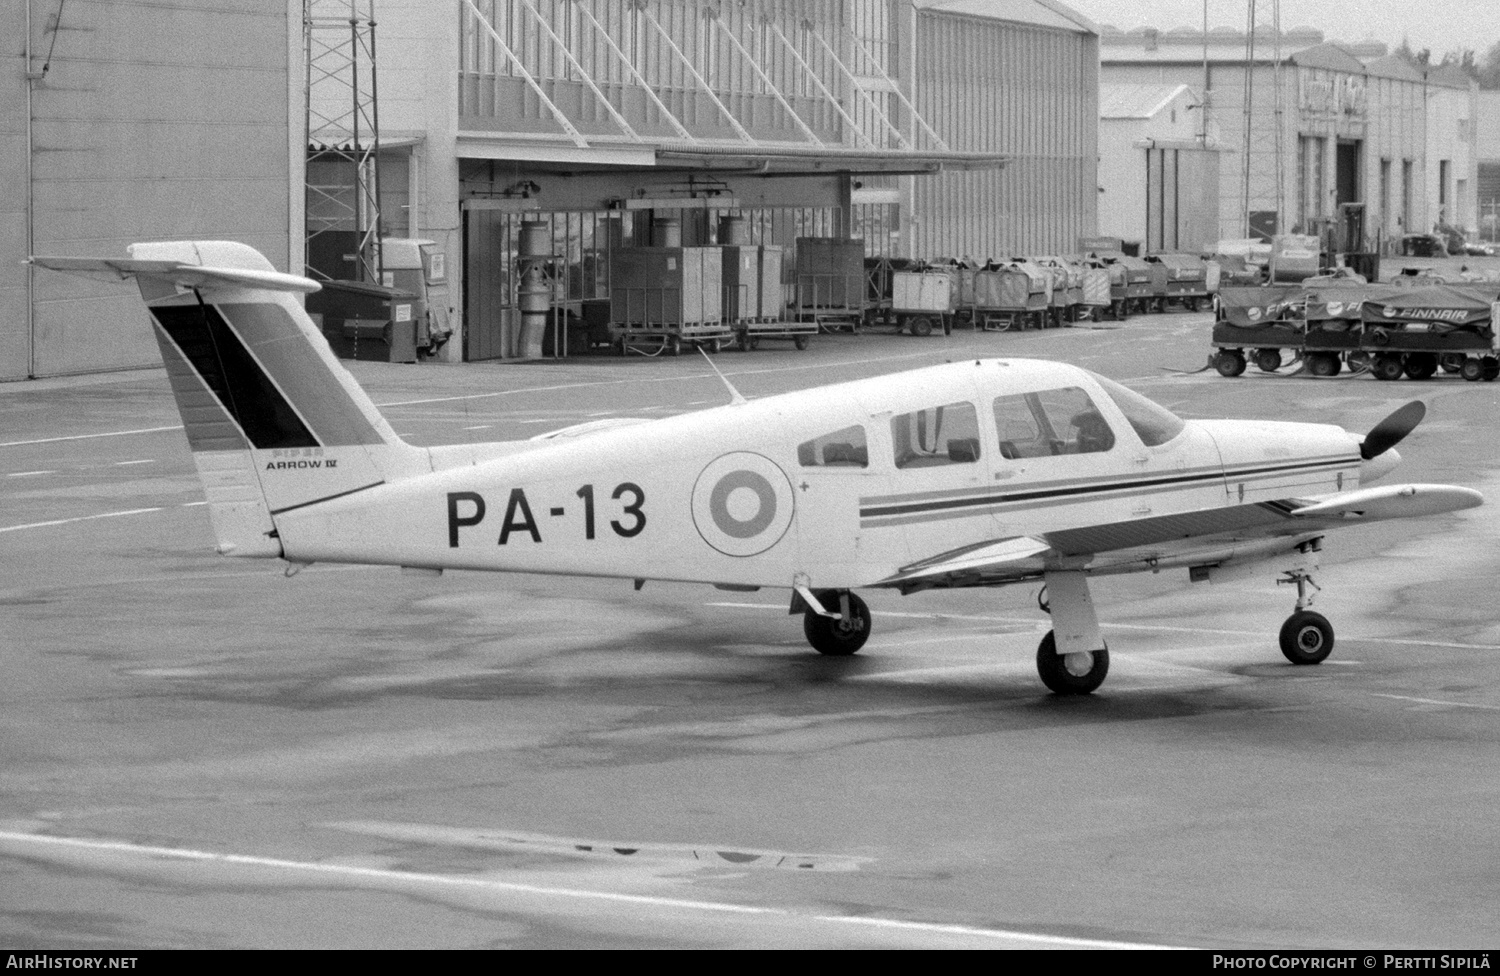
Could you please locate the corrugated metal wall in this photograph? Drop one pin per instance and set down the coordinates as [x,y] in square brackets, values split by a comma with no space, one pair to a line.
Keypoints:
[155,121]
[1029,92]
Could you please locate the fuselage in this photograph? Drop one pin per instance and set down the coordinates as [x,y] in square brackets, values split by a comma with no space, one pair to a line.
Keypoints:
[841,485]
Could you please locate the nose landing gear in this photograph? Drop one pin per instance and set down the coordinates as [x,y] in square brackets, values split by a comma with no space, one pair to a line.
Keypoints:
[1306,637]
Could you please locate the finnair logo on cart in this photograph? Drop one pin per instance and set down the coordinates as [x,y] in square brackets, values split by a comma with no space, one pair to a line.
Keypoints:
[1435,314]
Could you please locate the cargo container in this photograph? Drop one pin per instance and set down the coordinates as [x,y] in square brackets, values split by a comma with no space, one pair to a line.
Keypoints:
[664,297]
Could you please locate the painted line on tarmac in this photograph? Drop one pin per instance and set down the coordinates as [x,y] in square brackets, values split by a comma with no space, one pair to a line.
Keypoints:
[1434,701]
[81,518]
[579,894]
[582,385]
[84,437]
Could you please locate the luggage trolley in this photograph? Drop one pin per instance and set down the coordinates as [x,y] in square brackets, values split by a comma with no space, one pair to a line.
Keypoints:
[1179,278]
[997,298]
[662,298]
[754,307]
[829,280]
[923,302]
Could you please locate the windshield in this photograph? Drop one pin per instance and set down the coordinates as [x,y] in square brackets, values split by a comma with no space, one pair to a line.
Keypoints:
[1154,423]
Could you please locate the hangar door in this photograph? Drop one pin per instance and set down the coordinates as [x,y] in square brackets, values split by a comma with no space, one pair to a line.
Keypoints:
[1182,198]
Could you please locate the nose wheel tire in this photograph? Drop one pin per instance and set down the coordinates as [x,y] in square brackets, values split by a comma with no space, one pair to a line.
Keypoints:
[1070,674]
[836,636]
[1306,637]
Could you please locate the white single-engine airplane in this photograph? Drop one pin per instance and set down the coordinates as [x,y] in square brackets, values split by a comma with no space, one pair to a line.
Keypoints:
[978,473]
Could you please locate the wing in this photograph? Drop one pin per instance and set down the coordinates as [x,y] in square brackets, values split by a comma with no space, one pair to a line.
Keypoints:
[176,273]
[1210,538]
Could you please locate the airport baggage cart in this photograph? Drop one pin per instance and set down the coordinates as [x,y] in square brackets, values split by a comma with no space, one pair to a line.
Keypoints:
[663,298]
[1097,292]
[923,302]
[1009,296]
[1181,278]
[829,282]
[1067,287]
[1415,331]
[1268,321]
[773,321]
[1137,294]
[1332,312]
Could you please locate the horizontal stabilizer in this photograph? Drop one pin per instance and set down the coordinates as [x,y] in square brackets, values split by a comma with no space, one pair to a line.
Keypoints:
[176,273]
[1393,501]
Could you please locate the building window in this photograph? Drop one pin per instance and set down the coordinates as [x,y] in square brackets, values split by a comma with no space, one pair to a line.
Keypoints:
[1385,193]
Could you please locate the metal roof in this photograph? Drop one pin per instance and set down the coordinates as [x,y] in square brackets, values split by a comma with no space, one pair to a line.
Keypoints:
[1138,101]
[1043,13]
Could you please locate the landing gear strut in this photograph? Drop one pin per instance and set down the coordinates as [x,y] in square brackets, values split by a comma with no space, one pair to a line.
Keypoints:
[1073,658]
[1306,637]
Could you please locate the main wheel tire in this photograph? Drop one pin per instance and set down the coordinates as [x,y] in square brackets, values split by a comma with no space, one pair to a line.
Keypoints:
[1306,638]
[1472,370]
[1229,362]
[1387,366]
[1268,360]
[1324,364]
[919,325]
[1070,674]
[1421,365]
[834,637]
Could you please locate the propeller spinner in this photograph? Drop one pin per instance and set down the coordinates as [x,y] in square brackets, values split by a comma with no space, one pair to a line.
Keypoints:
[1389,432]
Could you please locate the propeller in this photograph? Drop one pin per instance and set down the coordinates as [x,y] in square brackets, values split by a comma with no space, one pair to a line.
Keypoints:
[1389,432]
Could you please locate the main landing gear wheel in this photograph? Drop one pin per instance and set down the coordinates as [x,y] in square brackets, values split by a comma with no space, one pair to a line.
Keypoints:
[1306,637]
[1070,674]
[836,636]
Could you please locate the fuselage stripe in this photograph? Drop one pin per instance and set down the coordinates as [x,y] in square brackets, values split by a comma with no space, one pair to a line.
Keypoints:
[876,511]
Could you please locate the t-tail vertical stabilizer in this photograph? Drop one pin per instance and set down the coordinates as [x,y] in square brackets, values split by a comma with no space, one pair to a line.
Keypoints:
[274,421]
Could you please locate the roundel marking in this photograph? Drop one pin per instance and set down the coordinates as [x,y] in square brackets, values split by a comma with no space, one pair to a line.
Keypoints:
[742,504]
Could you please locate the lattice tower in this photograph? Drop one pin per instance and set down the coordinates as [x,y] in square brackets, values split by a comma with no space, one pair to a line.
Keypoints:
[1262,157]
[343,126]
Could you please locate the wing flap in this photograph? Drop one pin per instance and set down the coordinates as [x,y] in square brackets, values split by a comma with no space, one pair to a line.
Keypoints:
[1001,561]
[1391,501]
[176,273]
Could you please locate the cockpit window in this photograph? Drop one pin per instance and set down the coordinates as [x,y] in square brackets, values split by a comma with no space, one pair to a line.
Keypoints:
[1153,423]
[1063,421]
[846,448]
[936,436]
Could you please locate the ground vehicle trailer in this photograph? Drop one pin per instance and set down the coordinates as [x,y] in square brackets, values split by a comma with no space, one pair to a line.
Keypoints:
[1392,331]
[1139,293]
[924,301]
[1075,293]
[1179,278]
[1005,296]
[1410,331]
[1267,320]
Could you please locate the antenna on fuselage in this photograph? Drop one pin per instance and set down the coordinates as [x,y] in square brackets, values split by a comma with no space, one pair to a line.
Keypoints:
[735,399]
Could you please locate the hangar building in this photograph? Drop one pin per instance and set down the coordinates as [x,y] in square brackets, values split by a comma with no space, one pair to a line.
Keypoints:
[1353,124]
[924,127]
[928,128]
[122,122]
